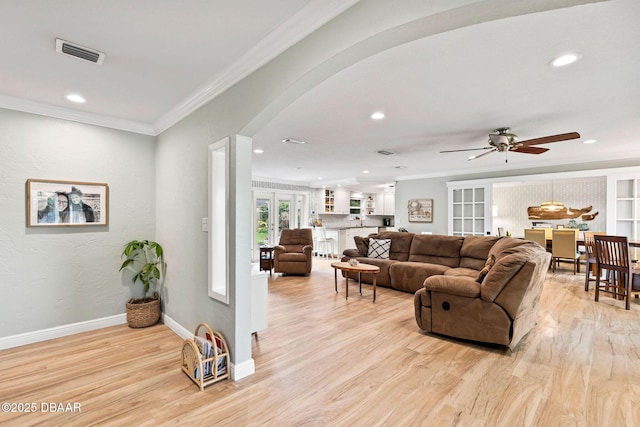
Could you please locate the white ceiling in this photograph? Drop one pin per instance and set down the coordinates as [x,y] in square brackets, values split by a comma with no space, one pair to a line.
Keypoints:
[443,92]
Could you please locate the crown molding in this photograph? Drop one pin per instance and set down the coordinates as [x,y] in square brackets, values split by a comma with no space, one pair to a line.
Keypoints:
[304,22]
[33,107]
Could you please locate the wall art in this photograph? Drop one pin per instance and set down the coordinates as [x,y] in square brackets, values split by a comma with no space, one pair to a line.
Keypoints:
[66,203]
[420,210]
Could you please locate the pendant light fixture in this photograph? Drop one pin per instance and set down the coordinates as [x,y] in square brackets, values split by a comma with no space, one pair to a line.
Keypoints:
[552,205]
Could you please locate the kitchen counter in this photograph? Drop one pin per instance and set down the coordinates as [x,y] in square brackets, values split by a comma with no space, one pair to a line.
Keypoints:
[345,236]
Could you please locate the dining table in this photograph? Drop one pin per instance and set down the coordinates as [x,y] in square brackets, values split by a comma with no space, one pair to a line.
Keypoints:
[580,242]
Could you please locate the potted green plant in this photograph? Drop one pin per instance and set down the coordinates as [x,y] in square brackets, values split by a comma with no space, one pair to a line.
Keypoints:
[146,259]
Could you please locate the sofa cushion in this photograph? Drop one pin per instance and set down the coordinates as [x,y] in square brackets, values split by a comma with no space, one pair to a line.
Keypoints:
[436,249]
[475,251]
[296,237]
[462,272]
[379,248]
[400,244]
[487,267]
[464,287]
[505,268]
[382,279]
[410,276]
[506,245]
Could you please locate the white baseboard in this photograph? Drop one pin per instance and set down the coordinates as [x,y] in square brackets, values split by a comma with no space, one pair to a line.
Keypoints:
[238,372]
[243,370]
[61,331]
[180,330]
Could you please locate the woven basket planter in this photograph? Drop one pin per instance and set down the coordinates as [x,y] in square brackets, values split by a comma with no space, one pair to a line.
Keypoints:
[143,312]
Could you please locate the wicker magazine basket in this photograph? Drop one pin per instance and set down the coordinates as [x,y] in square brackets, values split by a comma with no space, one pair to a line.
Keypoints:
[141,315]
[205,357]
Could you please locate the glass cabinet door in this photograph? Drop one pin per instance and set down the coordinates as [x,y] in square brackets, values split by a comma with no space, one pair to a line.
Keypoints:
[468,210]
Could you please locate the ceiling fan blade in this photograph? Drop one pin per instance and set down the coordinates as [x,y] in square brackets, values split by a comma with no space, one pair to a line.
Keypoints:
[551,138]
[529,150]
[466,149]
[483,154]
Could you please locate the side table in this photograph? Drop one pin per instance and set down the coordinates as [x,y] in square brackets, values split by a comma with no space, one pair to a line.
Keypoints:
[266,258]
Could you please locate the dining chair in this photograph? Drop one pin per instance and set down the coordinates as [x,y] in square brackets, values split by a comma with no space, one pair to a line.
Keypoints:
[612,254]
[564,245]
[590,257]
[536,235]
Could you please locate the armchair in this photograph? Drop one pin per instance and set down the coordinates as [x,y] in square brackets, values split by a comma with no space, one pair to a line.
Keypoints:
[293,254]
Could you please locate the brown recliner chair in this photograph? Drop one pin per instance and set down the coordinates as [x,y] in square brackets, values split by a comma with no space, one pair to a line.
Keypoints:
[293,254]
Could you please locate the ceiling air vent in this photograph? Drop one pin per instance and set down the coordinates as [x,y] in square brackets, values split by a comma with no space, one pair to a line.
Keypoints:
[293,141]
[81,52]
[385,152]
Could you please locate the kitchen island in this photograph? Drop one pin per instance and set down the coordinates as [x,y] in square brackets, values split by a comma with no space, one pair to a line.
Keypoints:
[344,236]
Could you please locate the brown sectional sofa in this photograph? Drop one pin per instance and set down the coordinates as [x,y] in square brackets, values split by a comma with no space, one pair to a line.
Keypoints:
[450,297]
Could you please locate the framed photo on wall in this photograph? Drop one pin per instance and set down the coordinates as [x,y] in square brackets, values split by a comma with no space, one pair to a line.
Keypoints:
[66,203]
[420,210]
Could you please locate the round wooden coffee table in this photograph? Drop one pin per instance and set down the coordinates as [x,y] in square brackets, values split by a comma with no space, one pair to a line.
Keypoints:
[359,268]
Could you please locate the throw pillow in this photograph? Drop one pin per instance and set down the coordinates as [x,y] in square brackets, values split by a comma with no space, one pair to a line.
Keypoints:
[485,270]
[362,243]
[379,248]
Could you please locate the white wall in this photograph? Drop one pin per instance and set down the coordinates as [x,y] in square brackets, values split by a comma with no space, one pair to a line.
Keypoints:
[63,275]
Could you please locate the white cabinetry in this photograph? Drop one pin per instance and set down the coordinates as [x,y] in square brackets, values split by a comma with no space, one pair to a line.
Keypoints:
[326,204]
[468,210]
[342,199]
[384,203]
[626,208]
[259,290]
[389,204]
[334,201]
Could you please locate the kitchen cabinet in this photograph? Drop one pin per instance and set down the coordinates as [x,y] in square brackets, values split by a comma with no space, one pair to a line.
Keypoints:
[342,199]
[389,207]
[326,204]
[334,201]
[384,203]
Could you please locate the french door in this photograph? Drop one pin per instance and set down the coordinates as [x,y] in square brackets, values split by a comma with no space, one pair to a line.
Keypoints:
[273,212]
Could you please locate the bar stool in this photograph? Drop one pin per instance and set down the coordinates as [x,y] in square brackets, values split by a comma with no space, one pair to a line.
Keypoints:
[323,245]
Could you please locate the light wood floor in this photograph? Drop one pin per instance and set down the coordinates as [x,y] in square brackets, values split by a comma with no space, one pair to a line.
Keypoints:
[325,361]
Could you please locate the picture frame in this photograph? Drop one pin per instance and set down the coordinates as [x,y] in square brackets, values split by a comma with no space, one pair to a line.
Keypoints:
[420,210]
[56,203]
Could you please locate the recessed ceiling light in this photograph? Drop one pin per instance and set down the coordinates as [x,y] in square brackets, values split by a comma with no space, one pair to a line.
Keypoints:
[258,151]
[365,171]
[74,97]
[567,59]
[378,115]
[589,141]
[319,177]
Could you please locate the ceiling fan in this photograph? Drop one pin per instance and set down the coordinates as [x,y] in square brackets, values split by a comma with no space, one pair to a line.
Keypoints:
[503,141]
